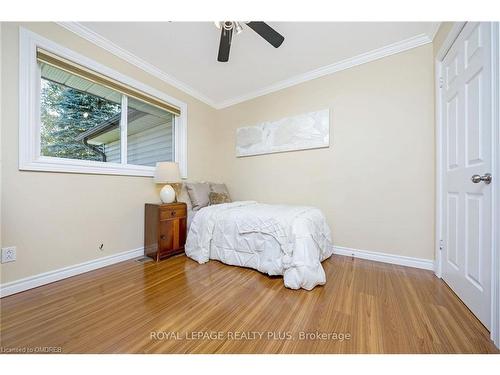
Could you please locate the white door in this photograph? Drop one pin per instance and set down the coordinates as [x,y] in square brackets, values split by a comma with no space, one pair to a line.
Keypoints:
[467,161]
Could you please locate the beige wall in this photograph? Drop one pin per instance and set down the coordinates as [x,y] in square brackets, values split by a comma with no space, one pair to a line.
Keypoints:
[59,219]
[376,181]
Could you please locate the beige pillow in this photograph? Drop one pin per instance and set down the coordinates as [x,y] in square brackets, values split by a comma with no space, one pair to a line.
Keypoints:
[218,198]
[198,192]
[219,188]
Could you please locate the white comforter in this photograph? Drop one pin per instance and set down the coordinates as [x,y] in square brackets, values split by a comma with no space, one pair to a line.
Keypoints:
[275,239]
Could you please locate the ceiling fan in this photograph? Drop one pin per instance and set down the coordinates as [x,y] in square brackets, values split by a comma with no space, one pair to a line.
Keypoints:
[228,28]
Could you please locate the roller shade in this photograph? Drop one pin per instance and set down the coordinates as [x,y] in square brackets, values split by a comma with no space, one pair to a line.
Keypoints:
[70,67]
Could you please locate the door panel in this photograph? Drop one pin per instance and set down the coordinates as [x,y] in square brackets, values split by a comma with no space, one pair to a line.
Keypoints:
[452,253]
[452,115]
[473,125]
[466,120]
[473,214]
[166,235]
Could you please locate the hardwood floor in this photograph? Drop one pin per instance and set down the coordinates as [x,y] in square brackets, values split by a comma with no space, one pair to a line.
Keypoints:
[165,307]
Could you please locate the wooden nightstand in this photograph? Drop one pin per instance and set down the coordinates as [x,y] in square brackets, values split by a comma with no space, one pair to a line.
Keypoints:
[164,229]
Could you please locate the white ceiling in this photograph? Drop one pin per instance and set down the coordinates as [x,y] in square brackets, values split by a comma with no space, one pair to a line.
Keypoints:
[186,52]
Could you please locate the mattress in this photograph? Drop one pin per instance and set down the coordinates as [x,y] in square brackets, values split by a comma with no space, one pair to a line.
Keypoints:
[274,239]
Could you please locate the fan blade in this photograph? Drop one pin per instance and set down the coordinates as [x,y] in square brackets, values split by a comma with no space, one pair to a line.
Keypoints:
[225,45]
[267,32]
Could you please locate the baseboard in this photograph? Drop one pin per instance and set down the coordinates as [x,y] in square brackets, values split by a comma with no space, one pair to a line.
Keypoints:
[49,277]
[400,260]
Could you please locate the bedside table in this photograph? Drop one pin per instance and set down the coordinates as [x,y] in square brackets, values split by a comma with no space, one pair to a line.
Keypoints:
[164,229]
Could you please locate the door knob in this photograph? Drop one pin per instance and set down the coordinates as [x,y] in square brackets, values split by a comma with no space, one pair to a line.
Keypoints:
[485,177]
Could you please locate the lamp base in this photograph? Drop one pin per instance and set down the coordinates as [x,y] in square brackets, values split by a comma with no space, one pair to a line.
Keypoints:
[167,194]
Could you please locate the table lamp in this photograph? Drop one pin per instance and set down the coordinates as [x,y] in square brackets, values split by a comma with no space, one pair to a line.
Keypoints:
[167,173]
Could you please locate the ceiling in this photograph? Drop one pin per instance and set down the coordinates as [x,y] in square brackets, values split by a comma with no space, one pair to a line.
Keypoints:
[185,53]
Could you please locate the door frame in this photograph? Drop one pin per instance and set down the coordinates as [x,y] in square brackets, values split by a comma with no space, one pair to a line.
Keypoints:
[495,75]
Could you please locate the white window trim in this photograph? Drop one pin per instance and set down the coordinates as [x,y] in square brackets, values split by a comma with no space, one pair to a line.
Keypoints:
[29,114]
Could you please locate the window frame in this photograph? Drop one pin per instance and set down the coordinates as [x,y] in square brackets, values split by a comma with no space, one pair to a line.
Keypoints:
[30,158]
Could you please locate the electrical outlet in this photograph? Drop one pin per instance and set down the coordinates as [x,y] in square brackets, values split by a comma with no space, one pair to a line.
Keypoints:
[8,254]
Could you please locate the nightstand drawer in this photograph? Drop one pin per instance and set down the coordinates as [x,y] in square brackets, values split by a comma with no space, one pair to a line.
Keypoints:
[172,213]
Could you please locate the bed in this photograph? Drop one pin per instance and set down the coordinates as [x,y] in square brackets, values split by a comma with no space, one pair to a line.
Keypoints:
[274,239]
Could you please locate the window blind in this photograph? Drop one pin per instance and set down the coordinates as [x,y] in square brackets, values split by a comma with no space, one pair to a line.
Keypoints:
[73,68]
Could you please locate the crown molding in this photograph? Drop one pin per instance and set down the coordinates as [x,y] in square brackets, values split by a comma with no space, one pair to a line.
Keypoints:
[434,29]
[363,58]
[116,50]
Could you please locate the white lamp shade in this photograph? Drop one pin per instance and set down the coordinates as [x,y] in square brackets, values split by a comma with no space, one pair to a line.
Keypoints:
[167,172]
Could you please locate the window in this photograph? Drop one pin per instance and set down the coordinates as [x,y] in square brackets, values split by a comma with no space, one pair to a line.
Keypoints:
[85,118]
[149,134]
[79,119]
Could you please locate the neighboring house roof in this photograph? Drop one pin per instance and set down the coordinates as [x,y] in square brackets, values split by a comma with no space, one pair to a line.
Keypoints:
[108,125]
